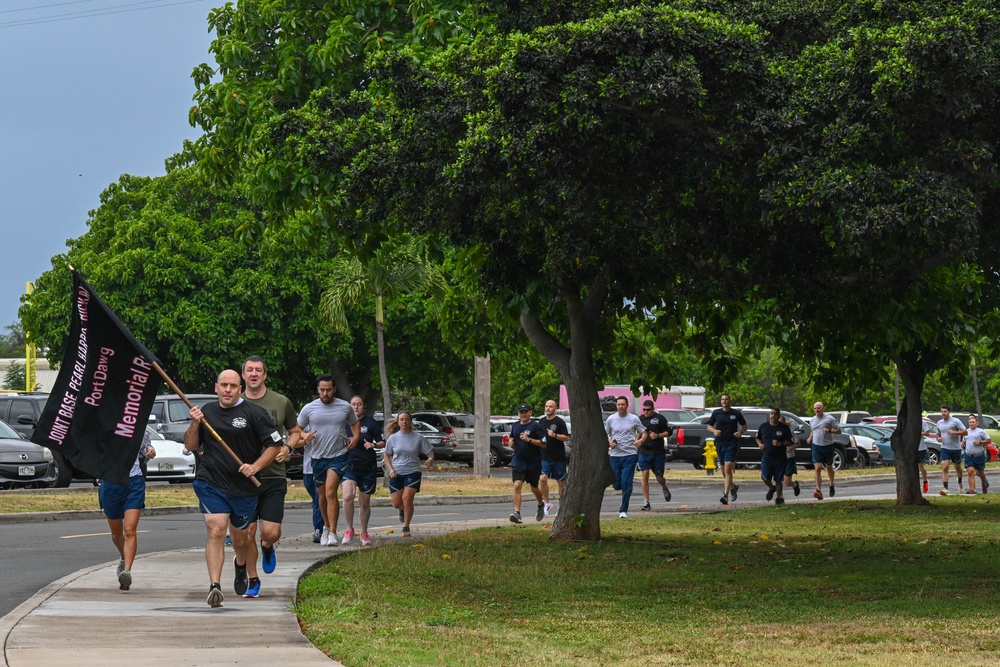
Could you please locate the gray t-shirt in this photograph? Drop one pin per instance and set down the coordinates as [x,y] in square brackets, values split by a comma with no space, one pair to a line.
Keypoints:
[817,424]
[327,421]
[624,430]
[971,448]
[404,449]
[949,441]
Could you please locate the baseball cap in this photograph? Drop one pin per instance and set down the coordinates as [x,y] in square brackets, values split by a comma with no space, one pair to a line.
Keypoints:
[524,407]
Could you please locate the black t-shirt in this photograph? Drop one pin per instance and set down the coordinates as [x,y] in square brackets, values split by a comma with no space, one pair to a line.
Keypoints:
[247,429]
[728,423]
[767,434]
[527,456]
[371,431]
[655,423]
[555,449]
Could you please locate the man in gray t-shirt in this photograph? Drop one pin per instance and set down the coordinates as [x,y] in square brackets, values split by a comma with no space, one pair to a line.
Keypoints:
[822,427]
[625,434]
[323,431]
[950,433]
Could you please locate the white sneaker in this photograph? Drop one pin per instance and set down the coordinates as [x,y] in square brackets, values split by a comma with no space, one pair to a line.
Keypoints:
[622,515]
[348,536]
[324,539]
[333,539]
[548,508]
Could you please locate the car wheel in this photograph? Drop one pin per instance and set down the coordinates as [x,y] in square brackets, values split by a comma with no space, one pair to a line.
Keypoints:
[64,471]
[838,458]
[494,457]
[862,461]
[933,458]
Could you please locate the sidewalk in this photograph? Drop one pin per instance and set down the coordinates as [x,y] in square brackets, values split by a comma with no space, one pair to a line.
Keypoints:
[83,618]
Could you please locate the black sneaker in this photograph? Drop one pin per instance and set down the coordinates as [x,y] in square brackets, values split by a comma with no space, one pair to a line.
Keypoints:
[833,491]
[779,501]
[796,488]
[214,596]
[241,582]
[645,507]
[732,492]
[770,493]
[540,512]
[515,517]
[666,495]
[724,500]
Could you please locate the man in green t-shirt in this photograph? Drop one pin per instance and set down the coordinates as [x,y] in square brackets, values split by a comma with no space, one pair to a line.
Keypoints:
[273,484]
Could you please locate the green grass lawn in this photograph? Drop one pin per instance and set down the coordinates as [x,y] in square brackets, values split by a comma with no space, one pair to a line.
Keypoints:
[845,583]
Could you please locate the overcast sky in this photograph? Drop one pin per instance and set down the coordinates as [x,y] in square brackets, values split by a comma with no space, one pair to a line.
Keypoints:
[85,98]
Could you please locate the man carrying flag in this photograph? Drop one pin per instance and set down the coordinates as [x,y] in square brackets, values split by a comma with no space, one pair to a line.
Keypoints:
[97,411]
[226,494]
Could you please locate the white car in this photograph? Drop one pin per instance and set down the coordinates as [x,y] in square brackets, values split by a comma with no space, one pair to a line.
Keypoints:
[172,461]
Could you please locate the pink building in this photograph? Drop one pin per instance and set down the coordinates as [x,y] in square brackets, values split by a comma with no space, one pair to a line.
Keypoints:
[672,398]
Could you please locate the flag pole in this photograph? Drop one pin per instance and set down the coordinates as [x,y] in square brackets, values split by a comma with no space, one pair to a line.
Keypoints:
[176,390]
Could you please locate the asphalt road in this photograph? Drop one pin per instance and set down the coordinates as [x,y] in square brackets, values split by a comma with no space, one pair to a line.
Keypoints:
[36,554]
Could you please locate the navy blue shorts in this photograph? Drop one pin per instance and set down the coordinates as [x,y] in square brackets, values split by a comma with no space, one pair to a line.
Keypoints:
[791,467]
[116,499]
[976,461]
[554,470]
[656,462]
[726,452]
[407,481]
[367,481]
[922,456]
[772,470]
[952,455]
[823,454]
[242,510]
[337,465]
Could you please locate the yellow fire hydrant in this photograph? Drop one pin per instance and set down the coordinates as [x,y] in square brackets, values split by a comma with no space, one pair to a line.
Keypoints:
[711,457]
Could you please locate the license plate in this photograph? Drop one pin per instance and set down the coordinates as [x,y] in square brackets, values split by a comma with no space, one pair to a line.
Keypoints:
[166,466]
[26,471]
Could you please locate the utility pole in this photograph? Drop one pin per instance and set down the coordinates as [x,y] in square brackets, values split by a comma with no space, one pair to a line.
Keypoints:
[481,449]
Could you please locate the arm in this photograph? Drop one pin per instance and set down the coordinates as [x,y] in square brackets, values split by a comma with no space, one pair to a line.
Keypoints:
[191,435]
[356,431]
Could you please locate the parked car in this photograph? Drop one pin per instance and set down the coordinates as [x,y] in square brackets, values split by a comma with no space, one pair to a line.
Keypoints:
[460,426]
[849,416]
[688,441]
[678,416]
[933,444]
[870,441]
[23,463]
[171,416]
[172,462]
[501,451]
[21,412]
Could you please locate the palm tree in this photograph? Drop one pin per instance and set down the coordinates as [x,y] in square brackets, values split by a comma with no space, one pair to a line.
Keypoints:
[394,269]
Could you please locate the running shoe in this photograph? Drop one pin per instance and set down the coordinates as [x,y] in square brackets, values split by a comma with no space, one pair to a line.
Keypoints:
[124,580]
[333,540]
[229,540]
[666,494]
[645,507]
[796,488]
[733,491]
[317,535]
[324,538]
[240,582]
[540,513]
[770,493]
[970,492]
[623,515]
[833,491]
[817,494]
[253,590]
[406,531]
[348,536]
[943,492]
[121,566]
[366,540]
[724,500]
[927,486]
[548,508]
[401,517]
[215,596]
[779,501]
[515,517]
[268,558]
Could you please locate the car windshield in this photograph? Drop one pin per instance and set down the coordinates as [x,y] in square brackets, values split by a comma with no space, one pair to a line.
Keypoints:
[8,432]
[462,421]
[423,427]
[153,435]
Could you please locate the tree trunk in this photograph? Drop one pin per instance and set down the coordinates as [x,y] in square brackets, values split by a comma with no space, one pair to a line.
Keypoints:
[906,437]
[589,472]
[383,374]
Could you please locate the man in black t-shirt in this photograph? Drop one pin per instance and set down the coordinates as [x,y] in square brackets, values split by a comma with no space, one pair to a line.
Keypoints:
[653,452]
[774,438]
[554,454]
[226,494]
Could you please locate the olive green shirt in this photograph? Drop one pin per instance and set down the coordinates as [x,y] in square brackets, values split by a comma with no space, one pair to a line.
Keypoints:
[283,413]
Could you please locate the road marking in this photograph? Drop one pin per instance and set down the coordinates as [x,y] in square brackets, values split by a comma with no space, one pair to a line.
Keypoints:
[72,537]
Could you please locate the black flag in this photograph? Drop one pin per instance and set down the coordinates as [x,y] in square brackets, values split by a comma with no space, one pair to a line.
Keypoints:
[97,412]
